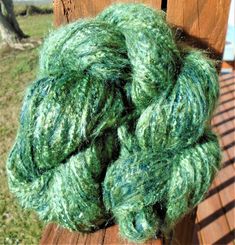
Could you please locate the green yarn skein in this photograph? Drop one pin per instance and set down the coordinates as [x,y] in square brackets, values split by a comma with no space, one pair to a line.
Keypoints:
[117,124]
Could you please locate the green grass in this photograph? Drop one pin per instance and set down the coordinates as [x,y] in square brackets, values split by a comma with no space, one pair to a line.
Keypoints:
[17,70]
[19,8]
[36,26]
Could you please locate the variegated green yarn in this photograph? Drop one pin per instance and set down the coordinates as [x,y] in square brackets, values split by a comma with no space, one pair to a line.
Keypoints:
[116,125]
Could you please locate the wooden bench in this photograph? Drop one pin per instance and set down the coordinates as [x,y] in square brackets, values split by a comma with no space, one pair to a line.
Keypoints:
[200,23]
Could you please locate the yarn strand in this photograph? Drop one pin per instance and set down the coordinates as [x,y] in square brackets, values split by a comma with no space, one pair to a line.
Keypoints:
[116,125]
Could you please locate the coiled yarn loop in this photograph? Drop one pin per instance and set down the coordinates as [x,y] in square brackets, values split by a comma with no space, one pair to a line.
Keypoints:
[117,124]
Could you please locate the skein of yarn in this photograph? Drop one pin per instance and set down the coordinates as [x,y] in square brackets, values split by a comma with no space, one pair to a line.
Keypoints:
[116,125]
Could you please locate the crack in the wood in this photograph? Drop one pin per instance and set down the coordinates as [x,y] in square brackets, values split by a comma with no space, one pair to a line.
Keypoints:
[65,11]
[164,5]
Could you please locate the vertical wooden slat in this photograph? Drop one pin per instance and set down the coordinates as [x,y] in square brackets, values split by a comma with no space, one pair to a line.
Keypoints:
[205,20]
[96,238]
[67,10]
[112,237]
[48,234]
[55,235]
[183,233]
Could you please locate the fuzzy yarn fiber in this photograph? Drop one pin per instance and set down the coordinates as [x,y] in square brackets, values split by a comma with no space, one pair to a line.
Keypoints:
[116,125]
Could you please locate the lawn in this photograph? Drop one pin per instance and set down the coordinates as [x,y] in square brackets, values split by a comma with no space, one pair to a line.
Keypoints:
[17,70]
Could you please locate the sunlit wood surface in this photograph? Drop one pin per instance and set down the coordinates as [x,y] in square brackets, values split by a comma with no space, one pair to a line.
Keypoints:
[205,20]
[216,214]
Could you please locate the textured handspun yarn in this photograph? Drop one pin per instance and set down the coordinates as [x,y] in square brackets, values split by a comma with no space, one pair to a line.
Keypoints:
[116,125]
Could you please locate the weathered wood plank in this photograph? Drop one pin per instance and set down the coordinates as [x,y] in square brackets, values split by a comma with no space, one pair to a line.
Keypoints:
[112,237]
[217,211]
[211,220]
[205,20]
[66,11]
[96,238]
[183,232]
[47,234]
[54,234]
[226,176]
[197,239]
[227,193]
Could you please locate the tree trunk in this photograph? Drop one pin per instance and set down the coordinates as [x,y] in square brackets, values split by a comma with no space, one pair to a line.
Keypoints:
[9,27]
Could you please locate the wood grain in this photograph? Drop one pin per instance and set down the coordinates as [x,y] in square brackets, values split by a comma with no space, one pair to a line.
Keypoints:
[53,234]
[205,20]
[216,214]
[68,10]
[183,232]
[211,220]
